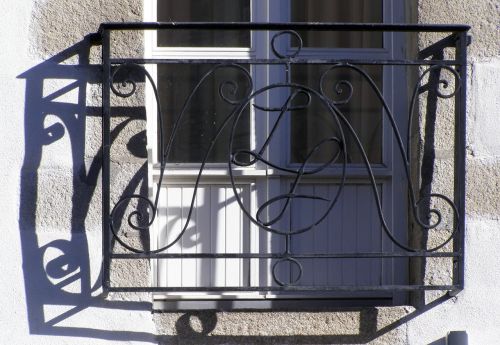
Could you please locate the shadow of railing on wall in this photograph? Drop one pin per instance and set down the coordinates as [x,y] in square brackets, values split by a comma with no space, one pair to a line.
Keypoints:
[59,182]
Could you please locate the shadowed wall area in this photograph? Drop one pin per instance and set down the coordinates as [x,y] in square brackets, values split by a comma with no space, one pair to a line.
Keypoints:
[59,208]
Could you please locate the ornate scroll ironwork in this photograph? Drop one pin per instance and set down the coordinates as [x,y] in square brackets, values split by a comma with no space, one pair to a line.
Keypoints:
[300,97]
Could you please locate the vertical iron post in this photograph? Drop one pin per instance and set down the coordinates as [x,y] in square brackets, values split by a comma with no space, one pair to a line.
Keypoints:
[460,156]
[106,72]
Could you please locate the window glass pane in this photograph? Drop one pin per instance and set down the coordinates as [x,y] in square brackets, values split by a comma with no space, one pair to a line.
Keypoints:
[341,11]
[316,123]
[203,11]
[205,112]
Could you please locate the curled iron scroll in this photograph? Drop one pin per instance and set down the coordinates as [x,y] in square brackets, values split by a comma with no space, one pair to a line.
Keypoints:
[404,159]
[286,55]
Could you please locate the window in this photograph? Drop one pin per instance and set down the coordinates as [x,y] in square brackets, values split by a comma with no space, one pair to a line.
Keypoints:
[217,221]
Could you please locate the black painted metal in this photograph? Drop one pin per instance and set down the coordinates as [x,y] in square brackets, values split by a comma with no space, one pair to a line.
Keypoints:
[457,338]
[106,143]
[296,61]
[460,109]
[454,28]
[455,67]
[353,255]
[293,288]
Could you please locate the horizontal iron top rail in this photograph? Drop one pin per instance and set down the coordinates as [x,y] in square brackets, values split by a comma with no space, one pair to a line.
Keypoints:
[314,26]
[296,61]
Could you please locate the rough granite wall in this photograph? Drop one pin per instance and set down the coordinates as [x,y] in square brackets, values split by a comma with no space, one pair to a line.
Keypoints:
[56,26]
[59,186]
[476,309]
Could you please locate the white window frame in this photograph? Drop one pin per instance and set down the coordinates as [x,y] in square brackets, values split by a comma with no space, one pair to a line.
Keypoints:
[393,11]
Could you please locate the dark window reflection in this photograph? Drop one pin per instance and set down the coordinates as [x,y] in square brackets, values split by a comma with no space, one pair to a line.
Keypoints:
[205,112]
[341,11]
[203,11]
[316,123]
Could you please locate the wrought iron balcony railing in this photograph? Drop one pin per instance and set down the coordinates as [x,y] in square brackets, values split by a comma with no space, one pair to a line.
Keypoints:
[414,183]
